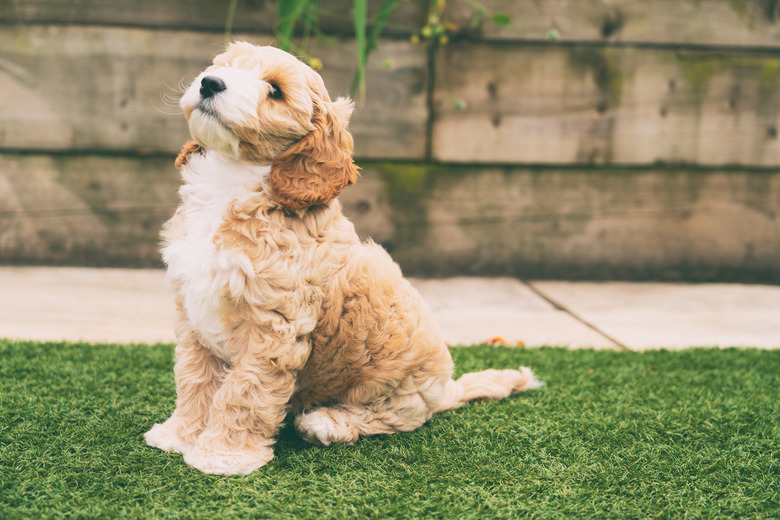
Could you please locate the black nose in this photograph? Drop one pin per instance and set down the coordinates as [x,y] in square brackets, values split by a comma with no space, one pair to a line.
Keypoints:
[211,85]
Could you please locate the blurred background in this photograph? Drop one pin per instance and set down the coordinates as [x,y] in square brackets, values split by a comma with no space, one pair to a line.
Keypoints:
[560,139]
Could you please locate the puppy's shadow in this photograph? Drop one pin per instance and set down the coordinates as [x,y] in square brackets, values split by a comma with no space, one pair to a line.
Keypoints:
[288,439]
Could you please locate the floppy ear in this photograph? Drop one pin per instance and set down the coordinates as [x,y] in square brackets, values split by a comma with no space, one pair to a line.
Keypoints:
[317,168]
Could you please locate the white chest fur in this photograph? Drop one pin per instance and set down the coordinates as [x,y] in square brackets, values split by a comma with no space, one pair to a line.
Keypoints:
[201,270]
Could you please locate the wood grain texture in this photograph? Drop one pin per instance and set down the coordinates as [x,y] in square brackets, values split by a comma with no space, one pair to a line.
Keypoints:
[690,22]
[590,105]
[250,16]
[750,23]
[115,89]
[608,139]
[608,224]
[85,210]
[673,224]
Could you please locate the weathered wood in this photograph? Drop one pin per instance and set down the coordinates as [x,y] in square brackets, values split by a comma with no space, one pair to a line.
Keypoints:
[115,89]
[752,23]
[698,22]
[87,210]
[250,16]
[589,105]
[572,223]
[87,88]
[436,220]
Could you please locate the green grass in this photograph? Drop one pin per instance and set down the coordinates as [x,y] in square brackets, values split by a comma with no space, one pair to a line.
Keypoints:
[691,434]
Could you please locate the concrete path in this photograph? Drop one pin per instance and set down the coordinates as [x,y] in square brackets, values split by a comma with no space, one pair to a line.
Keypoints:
[122,305]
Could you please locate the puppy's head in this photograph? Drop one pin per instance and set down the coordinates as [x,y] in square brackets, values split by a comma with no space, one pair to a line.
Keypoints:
[262,105]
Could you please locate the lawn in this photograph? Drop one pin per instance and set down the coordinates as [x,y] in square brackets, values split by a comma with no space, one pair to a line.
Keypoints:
[660,434]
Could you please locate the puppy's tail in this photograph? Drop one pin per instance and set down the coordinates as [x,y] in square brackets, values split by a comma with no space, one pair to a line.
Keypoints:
[488,384]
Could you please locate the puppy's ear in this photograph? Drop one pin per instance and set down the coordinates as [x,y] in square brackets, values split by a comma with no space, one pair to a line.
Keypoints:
[189,148]
[317,168]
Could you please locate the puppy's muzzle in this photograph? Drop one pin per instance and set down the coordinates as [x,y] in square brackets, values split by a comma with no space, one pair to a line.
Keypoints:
[211,85]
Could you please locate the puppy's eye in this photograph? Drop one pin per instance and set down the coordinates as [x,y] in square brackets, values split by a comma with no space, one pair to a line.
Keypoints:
[276,92]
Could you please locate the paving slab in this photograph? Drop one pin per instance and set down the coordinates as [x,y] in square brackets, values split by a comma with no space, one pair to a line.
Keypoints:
[474,310]
[128,305]
[80,304]
[652,315]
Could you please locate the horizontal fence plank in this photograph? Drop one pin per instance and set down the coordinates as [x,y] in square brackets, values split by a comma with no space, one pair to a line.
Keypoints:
[115,89]
[437,220]
[688,22]
[85,210]
[678,224]
[587,105]
[250,15]
[752,23]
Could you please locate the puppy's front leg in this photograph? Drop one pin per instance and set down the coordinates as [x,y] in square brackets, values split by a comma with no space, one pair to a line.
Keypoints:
[247,410]
[198,374]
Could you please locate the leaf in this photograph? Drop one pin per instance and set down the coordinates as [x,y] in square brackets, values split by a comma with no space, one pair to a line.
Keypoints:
[479,14]
[500,19]
[380,20]
[231,14]
[360,14]
[310,17]
[377,25]
[289,12]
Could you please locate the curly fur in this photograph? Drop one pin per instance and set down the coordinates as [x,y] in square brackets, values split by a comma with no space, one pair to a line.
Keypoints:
[282,309]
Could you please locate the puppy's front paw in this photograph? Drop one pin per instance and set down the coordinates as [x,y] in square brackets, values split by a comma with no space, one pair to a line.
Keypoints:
[228,463]
[178,434]
[165,437]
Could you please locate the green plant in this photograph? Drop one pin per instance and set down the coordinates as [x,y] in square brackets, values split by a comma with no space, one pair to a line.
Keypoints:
[305,14]
[302,17]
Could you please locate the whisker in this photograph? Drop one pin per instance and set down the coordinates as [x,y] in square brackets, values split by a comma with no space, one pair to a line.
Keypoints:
[170,97]
[168,101]
[179,88]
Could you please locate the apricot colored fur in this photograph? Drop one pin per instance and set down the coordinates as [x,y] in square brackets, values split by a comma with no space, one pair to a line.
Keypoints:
[282,309]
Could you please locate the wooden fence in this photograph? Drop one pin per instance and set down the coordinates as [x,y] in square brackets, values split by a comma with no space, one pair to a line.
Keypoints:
[586,139]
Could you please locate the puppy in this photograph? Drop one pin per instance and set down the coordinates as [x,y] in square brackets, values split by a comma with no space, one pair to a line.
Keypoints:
[281,308]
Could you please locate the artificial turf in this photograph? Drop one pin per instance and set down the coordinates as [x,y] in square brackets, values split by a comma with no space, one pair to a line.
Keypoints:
[660,434]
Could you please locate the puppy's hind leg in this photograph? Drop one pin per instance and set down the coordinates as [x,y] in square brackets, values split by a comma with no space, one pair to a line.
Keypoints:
[330,425]
[343,424]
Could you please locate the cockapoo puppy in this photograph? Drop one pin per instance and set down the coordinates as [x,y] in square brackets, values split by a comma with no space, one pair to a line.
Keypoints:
[281,308]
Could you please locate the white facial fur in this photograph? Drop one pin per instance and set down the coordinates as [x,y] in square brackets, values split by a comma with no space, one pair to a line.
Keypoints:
[212,118]
[243,116]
